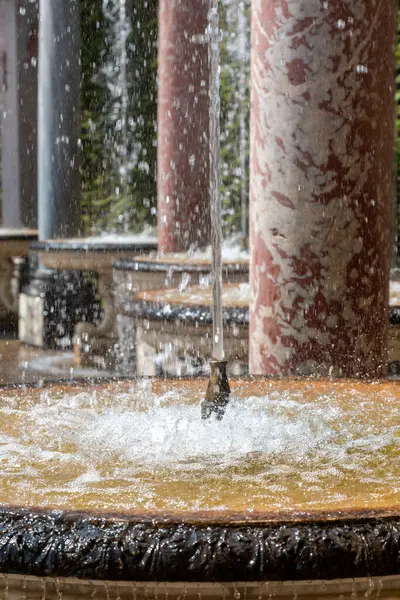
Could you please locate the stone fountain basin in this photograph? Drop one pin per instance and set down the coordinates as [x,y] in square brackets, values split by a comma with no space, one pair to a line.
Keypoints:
[171,270]
[88,255]
[172,329]
[241,526]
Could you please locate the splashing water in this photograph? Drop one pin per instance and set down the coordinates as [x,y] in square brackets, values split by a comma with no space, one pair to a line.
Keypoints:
[124,448]
[115,72]
[243,57]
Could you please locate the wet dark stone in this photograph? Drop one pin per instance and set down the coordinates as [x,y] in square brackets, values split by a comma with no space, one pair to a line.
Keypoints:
[69,297]
[178,267]
[182,313]
[58,544]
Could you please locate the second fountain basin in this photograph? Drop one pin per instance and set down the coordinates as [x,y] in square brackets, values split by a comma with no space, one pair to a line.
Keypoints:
[169,331]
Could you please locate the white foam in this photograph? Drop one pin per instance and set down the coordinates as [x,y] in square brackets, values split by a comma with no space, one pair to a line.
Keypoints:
[139,449]
[147,236]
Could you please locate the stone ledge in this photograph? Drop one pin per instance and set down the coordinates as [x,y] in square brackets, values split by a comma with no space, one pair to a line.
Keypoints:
[150,548]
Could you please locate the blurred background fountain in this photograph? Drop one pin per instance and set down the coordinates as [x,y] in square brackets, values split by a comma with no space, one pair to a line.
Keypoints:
[119,124]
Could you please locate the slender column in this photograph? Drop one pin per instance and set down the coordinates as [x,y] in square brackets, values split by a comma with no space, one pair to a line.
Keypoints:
[59,119]
[321,186]
[183,126]
[18,67]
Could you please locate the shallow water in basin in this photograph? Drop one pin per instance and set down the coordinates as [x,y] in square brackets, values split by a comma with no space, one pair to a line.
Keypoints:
[127,447]
[234,295]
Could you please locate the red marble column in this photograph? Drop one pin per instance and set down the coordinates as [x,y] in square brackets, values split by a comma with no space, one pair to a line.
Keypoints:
[321,186]
[183,126]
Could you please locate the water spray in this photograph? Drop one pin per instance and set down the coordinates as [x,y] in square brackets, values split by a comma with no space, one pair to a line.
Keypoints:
[218,391]
[242,48]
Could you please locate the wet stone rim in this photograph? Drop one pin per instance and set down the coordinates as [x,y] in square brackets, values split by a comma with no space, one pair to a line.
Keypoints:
[189,314]
[183,267]
[65,544]
[182,313]
[57,246]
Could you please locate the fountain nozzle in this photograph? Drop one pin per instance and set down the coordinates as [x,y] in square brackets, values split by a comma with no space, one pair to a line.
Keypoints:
[218,391]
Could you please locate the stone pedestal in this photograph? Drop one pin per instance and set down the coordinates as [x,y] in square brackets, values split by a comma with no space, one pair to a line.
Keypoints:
[14,249]
[94,343]
[183,126]
[94,339]
[321,186]
[52,304]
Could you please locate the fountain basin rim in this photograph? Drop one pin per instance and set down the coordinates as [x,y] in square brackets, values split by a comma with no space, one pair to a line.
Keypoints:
[212,518]
[89,247]
[183,313]
[167,267]
[61,544]
[97,380]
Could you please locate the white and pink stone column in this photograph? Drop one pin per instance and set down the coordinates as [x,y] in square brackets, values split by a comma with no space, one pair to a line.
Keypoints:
[183,126]
[321,186]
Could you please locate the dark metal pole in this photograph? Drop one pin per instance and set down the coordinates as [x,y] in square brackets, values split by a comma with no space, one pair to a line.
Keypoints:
[59,123]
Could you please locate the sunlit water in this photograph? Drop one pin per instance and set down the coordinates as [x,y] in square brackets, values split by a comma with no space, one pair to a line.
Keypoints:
[127,448]
[233,295]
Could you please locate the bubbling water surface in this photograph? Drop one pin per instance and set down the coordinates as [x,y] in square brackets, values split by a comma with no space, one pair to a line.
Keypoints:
[127,447]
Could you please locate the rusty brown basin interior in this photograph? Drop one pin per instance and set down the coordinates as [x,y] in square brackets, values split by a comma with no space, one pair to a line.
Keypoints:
[76,504]
[234,295]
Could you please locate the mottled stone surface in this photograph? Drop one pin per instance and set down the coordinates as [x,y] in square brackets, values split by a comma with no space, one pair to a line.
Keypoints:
[183,126]
[321,185]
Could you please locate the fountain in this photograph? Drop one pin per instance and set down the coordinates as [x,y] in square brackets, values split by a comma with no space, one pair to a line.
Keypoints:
[169,332]
[294,493]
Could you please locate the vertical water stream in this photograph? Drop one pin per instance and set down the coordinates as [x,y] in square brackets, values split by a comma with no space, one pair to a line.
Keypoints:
[215,178]
[242,47]
[117,81]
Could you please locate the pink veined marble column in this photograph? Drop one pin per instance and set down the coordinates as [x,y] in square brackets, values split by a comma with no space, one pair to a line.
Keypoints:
[321,186]
[183,126]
